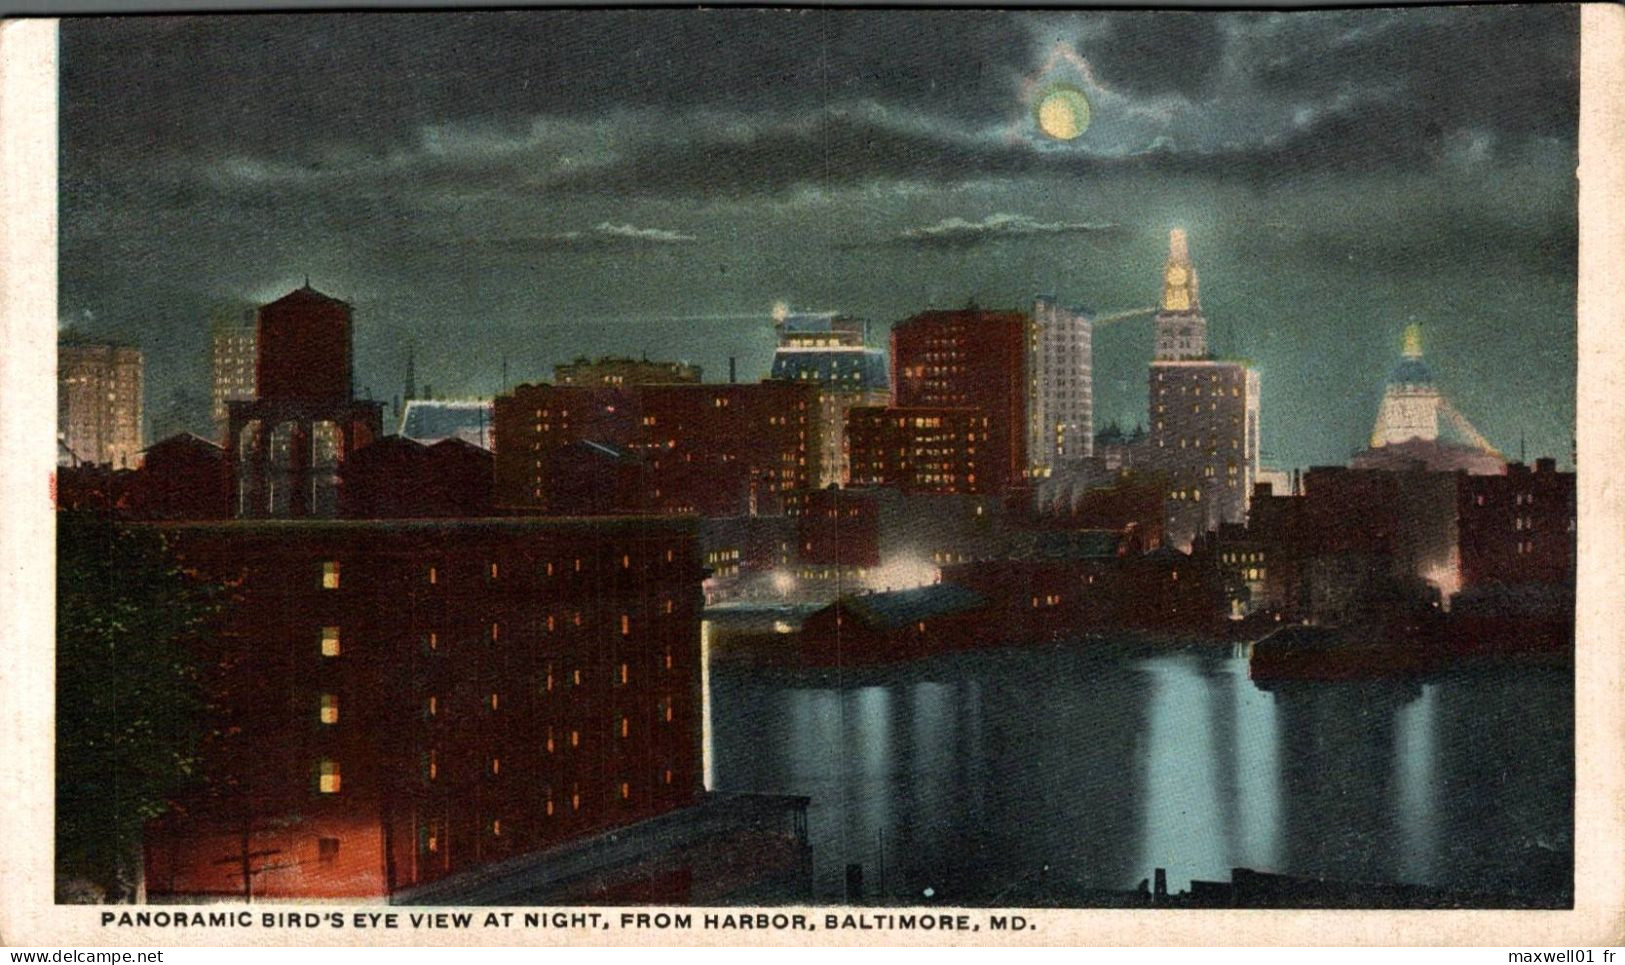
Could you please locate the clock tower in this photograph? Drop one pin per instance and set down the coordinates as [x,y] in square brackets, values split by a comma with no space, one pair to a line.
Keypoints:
[1181,327]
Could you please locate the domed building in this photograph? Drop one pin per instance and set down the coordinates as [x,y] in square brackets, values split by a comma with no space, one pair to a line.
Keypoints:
[1412,422]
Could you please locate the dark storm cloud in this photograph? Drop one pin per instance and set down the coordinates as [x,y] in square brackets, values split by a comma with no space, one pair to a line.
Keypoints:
[304,86]
[1158,53]
[730,103]
[1495,68]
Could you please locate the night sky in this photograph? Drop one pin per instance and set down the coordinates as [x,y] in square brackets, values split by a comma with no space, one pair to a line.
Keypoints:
[539,185]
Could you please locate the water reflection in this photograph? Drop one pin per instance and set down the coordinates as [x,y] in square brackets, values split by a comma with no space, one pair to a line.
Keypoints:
[1053,775]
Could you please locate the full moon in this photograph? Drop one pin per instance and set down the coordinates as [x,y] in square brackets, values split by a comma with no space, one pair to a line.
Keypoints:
[1063,113]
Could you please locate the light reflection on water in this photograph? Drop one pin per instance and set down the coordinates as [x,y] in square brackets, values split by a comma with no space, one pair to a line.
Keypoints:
[1050,775]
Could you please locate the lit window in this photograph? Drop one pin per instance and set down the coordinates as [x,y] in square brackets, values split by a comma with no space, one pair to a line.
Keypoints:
[496,828]
[626,624]
[624,673]
[496,765]
[626,791]
[328,776]
[493,571]
[434,575]
[433,705]
[626,726]
[575,738]
[330,641]
[493,701]
[330,708]
[330,576]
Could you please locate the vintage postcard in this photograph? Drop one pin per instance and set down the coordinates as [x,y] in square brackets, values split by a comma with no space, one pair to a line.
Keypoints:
[813,476]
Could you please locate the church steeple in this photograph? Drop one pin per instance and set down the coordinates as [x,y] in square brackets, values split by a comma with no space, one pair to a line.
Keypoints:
[1181,328]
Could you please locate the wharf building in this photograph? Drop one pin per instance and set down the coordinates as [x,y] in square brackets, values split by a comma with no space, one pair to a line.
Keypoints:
[285,446]
[976,360]
[831,352]
[1204,412]
[407,700]
[233,361]
[678,449]
[1518,528]
[1060,386]
[98,402]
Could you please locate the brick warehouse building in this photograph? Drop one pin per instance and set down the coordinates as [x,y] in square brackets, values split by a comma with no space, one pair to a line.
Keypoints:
[707,450]
[408,700]
[969,359]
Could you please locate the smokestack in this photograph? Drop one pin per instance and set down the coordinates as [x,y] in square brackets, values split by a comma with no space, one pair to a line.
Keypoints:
[732,375]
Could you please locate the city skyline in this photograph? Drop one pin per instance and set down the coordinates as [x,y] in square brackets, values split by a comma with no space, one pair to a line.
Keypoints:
[495,194]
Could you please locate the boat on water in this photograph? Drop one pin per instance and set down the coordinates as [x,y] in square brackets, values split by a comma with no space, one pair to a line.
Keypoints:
[1313,653]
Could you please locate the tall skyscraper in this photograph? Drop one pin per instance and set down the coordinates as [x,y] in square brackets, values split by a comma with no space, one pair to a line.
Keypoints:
[1204,412]
[98,402]
[970,359]
[1060,386]
[233,339]
[285,446]
[831,351]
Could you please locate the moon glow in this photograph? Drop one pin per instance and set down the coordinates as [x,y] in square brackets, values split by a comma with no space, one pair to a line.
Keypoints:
[1063,113]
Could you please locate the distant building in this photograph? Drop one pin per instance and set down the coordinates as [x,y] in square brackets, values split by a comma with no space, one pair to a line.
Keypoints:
[880,538]
[413,699]
[182,477]
[1351,536]
[1060,386]
[98,402]
[1204,413]
[431,420]
[927,449]
[612,371]
[708,450]
[233,356]
[831,352]
[1518,528]
[285,446]
[970,359]
[400,478]
[1413,418]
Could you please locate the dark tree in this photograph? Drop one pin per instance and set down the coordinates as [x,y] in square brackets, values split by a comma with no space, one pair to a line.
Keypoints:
[129,696]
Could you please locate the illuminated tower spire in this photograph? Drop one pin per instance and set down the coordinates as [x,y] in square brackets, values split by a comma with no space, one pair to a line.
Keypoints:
[1413,341]
[1181,327]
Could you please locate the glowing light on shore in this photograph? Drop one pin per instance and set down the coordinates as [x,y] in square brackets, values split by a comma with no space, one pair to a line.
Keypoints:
[902,574]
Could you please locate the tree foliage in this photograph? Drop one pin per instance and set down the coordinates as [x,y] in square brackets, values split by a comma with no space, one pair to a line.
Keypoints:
[130,699]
